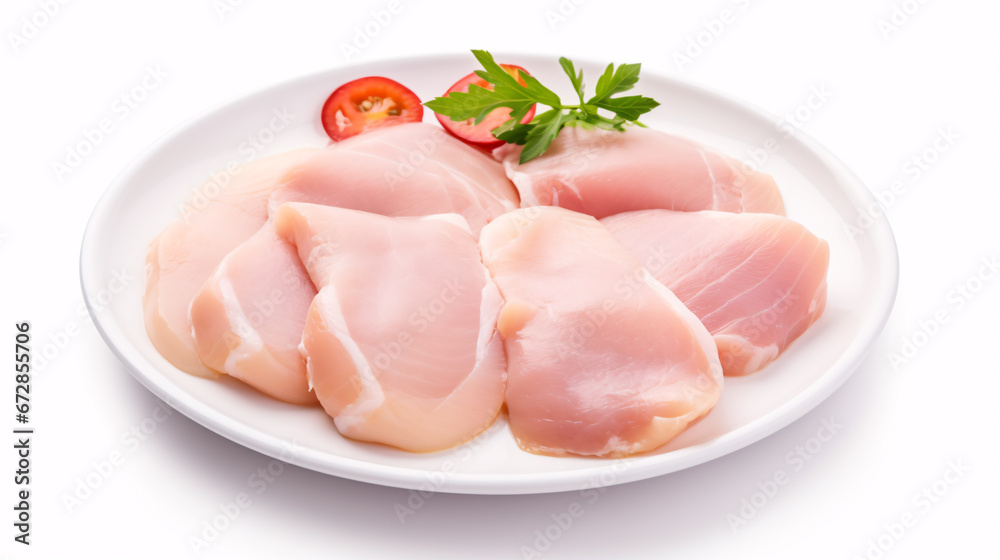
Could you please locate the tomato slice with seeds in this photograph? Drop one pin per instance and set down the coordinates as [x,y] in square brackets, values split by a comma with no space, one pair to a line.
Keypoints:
[369,103]
[480,135]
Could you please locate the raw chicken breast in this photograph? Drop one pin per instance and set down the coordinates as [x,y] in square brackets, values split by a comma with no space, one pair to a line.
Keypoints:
[602,359]
[405,170]
[184,255]
[400,341]
[600,173]
[412,169]
[756,281]
[248,317]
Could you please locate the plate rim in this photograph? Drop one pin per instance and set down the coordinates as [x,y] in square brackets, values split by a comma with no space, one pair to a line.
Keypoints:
[885,289]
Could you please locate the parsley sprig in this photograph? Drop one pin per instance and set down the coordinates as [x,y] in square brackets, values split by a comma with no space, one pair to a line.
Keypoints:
[536,135]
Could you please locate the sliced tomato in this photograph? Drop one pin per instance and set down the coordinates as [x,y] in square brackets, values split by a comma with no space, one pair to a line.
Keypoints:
[369,103]
[480,135]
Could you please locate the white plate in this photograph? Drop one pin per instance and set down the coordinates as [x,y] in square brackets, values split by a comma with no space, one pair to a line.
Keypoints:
[819,192]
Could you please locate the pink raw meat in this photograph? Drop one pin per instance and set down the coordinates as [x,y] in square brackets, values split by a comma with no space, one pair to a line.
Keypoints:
[401,340]
[757,281]
[183,256]
[602,359]
[405,170]
[600,173]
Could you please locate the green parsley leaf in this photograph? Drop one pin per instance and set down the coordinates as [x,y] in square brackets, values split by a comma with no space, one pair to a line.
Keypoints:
[512,132]
[615,81]
[544,129]
[536,136]
[494,74]
[575,78]
[478,101]
[630,107]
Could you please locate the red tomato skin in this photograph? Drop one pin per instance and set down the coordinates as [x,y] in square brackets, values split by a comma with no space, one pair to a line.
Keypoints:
[479,135]
[349,97]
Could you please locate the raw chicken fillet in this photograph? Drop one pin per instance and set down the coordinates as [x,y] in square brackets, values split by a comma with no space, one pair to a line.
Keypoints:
[404,170]
[248,317]
[185,254]
[756,281]
[410,169]
[601,173]
[400,340]
[413,286]
[602,359]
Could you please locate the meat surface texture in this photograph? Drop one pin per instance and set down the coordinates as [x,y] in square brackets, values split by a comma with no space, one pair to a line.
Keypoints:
[404,170]
[185,254]
[756,281]
[602,359]
[601,173]
[400,340]
[248,317]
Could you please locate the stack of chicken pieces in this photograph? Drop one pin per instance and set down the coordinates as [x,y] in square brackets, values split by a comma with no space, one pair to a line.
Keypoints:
[413,286]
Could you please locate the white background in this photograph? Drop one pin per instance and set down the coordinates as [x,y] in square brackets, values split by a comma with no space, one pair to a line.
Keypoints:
[903,423]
